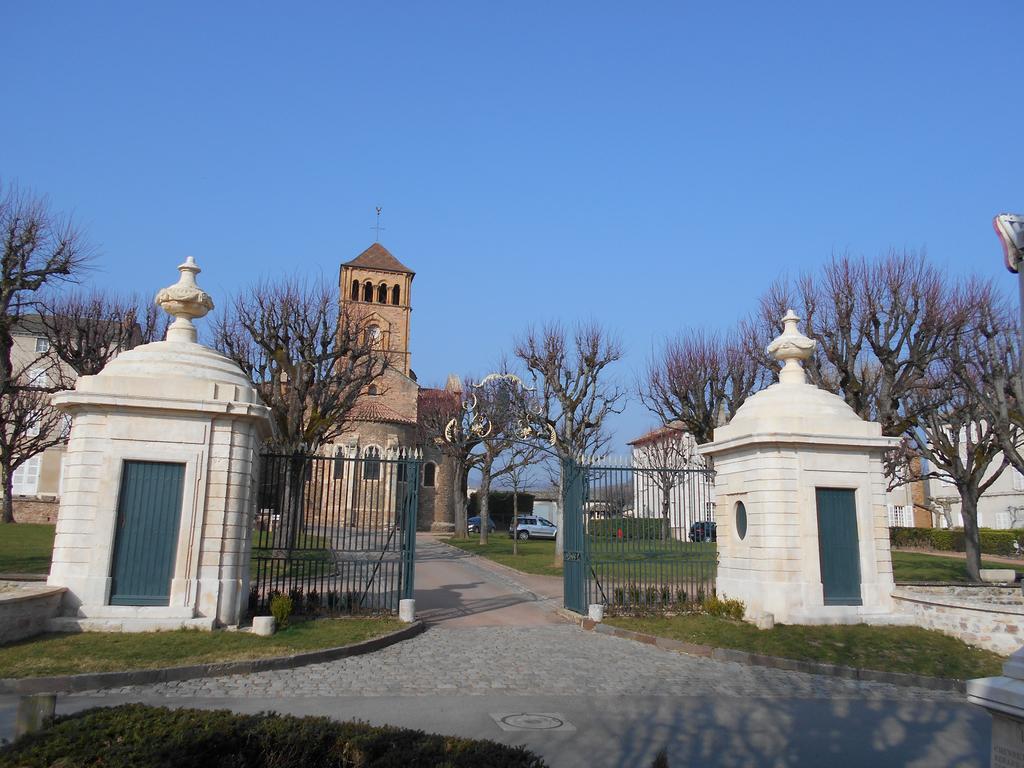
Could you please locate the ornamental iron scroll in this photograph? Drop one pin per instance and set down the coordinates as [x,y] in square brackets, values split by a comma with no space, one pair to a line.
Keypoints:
[474,422]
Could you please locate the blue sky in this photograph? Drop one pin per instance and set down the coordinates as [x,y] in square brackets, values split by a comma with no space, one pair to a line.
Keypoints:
[653,166]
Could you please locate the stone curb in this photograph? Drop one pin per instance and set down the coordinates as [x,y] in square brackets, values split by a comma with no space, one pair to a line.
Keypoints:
[775,662]
[99,680]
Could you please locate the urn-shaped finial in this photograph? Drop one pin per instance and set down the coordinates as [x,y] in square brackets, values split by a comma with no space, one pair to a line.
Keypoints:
[184,300]
[791,347]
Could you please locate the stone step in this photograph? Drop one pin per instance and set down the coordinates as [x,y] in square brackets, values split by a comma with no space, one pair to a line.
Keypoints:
[79,624]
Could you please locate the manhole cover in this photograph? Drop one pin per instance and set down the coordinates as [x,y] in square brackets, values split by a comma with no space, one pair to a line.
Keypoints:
[532,721]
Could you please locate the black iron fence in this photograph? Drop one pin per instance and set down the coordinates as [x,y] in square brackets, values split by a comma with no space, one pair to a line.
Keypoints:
[335,533]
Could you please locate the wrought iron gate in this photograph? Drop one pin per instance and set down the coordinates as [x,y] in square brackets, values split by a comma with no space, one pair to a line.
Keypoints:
[335,533]
[637,537]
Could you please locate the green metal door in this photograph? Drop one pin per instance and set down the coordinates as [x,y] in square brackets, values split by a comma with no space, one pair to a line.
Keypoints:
[148,517]
[574,545]
[838,548]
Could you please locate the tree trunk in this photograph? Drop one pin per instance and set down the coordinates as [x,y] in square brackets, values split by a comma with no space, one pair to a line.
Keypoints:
[515,520]
[972,544]
[485,511]
[559,518]
[8,490]
[666,509]
[459,502]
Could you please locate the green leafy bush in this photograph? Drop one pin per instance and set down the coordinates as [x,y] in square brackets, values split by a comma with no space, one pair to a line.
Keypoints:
[281,609]
[724,608]
[993,542]
[632,528]
[139,736]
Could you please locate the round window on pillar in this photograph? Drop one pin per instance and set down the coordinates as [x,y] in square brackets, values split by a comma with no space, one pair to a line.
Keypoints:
[741,520]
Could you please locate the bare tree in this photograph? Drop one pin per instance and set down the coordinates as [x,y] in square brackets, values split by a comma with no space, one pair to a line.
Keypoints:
[506,407]
[309,359]
[39,250]
[519,471]
[665,460]
[444,420]
[989,366]
[698,377]
[87,330]
[879,326]
[575,394]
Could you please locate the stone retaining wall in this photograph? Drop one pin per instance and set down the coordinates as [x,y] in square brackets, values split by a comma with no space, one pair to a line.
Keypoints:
[36,509]
[25,609]
[985,616]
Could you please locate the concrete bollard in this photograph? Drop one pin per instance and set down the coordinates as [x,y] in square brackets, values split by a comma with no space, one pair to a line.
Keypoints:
[407,610]
[595,612]
[263,626]
[998,575]
[765,620]
[35,713]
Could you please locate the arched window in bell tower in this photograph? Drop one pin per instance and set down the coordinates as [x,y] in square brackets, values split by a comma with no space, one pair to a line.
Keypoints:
[367,291]
[355,290]
[396,295]
[382,294]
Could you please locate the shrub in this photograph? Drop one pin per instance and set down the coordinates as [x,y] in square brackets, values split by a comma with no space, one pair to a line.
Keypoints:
[724,608]
[993,542]
[139,736]
[281,609]
[632,528]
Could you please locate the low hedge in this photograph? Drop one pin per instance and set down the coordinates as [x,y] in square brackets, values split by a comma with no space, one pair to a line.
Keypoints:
[993,542]
[642,528]
[139,736]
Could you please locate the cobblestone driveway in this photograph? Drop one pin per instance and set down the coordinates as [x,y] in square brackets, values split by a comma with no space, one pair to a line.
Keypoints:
[557,660]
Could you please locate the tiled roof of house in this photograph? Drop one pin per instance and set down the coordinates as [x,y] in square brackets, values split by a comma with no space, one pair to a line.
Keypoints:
[675,429]
[373,410]
[378,257]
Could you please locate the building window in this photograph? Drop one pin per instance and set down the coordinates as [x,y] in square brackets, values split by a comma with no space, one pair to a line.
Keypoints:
[373,334]
[371,463]
[373,390]
[429,471]
[741,520]
[382,294]
[367,291]
[37,377]
[355,290]
[339,463]
[26,477]
[42,344]
[396,295]
[400,471]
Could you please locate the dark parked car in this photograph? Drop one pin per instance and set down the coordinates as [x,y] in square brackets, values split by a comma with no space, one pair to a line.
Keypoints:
[473,525]
[703,530]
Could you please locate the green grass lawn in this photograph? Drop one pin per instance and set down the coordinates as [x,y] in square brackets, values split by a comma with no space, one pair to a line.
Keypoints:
[535,556]
[891,649]
[916,566]
[25,548]
[69,654]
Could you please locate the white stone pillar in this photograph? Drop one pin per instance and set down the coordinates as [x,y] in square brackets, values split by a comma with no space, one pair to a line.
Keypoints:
[784,444]
[171,402]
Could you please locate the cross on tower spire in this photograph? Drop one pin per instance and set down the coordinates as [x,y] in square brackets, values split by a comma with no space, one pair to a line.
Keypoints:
[377,227]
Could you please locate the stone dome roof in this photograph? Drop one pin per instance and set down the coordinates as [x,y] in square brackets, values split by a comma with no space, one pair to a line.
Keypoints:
[793,410]
[176,360]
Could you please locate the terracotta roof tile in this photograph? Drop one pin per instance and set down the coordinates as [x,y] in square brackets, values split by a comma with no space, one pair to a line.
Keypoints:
[372,410]
[378,257]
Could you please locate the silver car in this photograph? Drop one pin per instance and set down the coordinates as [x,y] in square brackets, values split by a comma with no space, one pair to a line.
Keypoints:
[531,527]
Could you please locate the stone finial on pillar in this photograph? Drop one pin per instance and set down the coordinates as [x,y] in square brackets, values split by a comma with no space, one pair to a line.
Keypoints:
[184,300]
[791,347]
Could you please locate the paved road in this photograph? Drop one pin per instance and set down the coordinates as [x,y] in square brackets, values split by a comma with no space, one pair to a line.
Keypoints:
[495,649]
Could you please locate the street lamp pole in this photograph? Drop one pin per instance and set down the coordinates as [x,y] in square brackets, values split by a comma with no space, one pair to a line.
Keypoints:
[1010,229]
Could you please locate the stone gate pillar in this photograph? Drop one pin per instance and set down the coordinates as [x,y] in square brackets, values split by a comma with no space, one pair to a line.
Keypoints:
[154,529]
[800,501]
